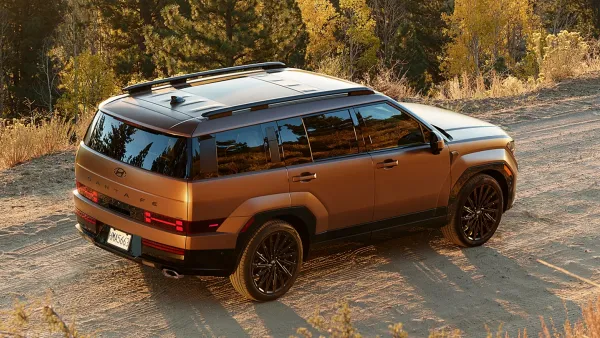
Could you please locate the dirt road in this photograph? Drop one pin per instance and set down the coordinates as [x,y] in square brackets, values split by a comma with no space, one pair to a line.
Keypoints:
[418,280]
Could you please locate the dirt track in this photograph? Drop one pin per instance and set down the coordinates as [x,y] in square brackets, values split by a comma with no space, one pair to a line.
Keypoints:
[418,280]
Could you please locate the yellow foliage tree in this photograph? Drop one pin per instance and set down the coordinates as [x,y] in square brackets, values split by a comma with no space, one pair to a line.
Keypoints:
[361,43]
[354,49]
[484,32]
[321,22]
[86,81]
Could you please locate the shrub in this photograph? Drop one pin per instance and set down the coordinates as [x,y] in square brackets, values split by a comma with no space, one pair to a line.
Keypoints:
[564,56]
[391,84]
[21,141]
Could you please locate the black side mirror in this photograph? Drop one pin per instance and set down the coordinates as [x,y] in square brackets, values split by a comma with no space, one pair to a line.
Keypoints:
[436,142]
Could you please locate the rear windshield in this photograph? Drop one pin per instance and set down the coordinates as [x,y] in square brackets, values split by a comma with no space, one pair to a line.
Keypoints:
[138,147]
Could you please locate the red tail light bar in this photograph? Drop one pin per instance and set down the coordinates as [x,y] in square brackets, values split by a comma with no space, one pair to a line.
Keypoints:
[87,192]
[161,221]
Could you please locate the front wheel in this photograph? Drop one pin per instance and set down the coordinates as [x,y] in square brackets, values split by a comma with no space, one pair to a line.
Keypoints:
[270,262]
[477,212]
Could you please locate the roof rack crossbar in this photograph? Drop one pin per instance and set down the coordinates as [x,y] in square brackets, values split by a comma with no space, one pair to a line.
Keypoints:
[265,104]
[182,79]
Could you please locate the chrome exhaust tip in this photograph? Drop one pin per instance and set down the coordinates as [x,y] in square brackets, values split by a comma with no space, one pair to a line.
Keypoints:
[171,274]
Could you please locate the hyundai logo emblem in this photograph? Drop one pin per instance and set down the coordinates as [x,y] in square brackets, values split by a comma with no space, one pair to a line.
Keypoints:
[120,172]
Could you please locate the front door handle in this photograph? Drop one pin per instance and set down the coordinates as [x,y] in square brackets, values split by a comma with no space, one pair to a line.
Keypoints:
[387,164]
[304,177]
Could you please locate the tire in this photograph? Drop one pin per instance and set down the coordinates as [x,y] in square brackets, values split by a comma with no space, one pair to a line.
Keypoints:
[476,213]
[261,275]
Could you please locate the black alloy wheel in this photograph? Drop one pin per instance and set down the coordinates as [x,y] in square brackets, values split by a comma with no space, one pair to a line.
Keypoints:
[481,212]
[274,262]
[476,213]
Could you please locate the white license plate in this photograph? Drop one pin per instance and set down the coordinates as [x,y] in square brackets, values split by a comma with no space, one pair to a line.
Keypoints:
[119,239]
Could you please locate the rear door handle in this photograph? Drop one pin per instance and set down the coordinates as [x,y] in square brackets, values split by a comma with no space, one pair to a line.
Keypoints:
[387,164]
[304,177]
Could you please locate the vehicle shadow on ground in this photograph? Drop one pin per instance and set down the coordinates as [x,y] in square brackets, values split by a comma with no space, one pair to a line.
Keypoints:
[189,307]
[473,288]
[464,288]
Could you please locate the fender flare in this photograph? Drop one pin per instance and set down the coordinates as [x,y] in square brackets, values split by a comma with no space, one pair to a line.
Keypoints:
[497,169]
[300,217]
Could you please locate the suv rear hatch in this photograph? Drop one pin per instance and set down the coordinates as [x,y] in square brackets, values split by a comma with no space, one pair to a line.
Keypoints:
[134,172]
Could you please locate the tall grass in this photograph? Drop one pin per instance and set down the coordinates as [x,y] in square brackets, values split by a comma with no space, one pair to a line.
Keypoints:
[480,87]
[22,140]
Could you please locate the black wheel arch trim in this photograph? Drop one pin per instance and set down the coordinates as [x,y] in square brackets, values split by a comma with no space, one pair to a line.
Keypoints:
[494,169]
[299,217]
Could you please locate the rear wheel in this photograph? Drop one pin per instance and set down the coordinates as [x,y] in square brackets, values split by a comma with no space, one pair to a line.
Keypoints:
[270,262]
[477,212]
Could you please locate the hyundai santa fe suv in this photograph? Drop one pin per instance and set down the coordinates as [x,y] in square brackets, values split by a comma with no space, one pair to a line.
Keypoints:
[240,171]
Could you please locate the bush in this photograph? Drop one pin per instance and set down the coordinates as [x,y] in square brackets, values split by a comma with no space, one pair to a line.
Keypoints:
[388,82]
[564,56]
[22,141]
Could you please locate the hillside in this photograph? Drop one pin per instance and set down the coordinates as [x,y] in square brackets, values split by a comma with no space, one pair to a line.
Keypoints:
[419,279]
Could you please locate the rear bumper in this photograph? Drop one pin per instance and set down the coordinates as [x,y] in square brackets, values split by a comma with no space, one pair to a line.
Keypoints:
[212,254]
[218,263]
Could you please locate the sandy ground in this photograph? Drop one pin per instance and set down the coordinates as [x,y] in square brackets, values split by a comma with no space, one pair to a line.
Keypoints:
[418,280]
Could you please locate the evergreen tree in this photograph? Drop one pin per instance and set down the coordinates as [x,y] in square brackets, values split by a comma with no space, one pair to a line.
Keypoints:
[217,33]
[28,26]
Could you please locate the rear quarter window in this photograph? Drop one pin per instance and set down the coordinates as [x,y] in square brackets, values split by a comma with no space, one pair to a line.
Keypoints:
[235,151]
[142,148]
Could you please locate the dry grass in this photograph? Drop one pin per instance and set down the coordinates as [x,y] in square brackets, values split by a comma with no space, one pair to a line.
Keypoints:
[36,320]
[22,140]
[340,326]
[494,86]
[393,85]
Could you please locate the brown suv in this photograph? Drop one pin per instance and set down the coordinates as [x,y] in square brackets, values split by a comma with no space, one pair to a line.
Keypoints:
[240,171]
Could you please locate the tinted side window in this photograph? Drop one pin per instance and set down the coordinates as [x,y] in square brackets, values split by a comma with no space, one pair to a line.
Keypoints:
[236,151]
[385,127]
[294,142]
[331,135]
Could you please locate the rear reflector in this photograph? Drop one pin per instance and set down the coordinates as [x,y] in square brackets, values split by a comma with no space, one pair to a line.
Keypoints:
[163,247]
[87,221]
[248,224]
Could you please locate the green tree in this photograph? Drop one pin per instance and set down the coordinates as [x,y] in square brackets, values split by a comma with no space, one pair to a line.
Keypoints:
[86,85]
[125,21]
[217,33]
[282,37]
[572,15]
[412,38]
[27,25]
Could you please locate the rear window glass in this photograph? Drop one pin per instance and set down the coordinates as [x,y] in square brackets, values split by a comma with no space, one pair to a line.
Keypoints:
[138,147]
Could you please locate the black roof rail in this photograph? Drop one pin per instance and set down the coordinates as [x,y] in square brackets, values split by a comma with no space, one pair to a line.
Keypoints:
[182,79]
[265,104]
